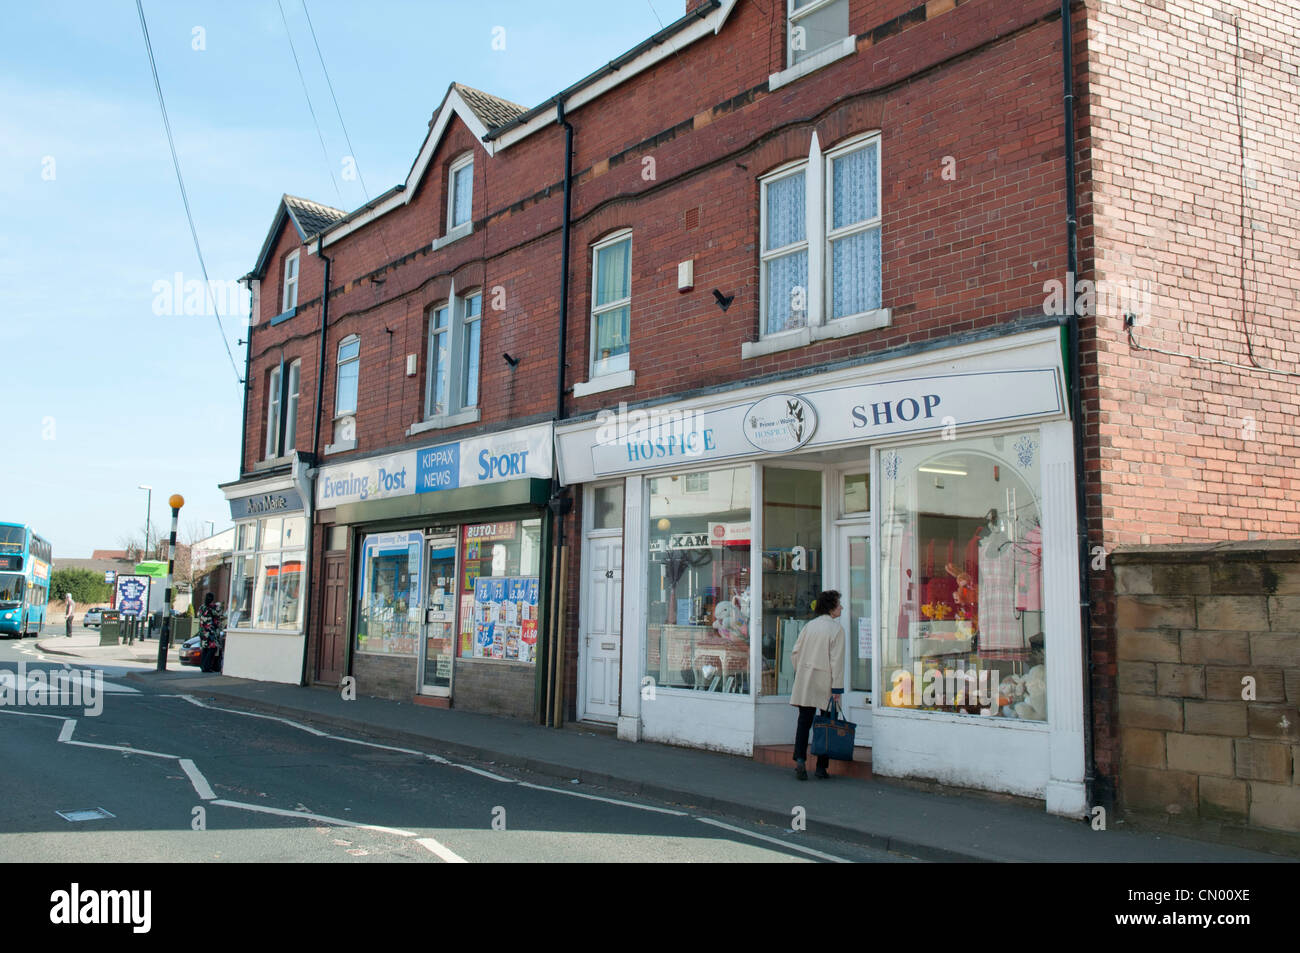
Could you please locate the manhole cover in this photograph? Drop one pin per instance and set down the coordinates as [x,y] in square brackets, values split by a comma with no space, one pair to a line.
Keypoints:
[93,814]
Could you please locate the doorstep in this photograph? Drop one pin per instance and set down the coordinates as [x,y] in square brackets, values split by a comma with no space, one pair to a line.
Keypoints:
[783,756]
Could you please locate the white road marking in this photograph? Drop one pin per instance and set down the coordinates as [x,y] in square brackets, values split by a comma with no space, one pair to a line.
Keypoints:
[281,812]
[440,850]
[480,771]
[773,840]
[607,800]
[69,727]
[31,714]
[124,749]
[201,786]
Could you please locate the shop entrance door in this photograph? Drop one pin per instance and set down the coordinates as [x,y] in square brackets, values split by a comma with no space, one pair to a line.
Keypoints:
[854,584]
[329,651]
[603,622]
[439,623]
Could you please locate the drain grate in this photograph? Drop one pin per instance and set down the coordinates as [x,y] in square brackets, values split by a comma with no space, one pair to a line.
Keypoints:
[93,814]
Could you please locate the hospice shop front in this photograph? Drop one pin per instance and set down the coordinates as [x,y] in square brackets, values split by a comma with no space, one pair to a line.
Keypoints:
[934,490]
[433,571]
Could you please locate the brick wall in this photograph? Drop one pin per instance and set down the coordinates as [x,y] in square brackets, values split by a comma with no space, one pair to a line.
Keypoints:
[1198,743]
[382,677]
[494,687]
[1178,449]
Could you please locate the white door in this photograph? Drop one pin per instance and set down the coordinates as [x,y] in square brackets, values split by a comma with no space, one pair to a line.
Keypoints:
[603,623]
[855,555]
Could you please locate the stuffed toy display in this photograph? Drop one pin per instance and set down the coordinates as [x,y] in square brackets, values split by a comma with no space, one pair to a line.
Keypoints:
[1025,696]
[731,618]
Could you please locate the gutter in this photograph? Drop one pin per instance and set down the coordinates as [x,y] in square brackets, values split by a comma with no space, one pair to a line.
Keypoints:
[1076,410]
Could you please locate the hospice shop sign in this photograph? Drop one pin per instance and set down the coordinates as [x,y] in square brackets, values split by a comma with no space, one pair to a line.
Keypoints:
[492,458]
[825,417]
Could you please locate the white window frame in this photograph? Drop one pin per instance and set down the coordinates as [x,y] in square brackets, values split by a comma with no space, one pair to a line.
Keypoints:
[289,298]
[766,254]
[791,21]
[339,361]
[273,390]
[458,410]
[291,395]
[624,235]
[455,167]
[818,202]
[832,234]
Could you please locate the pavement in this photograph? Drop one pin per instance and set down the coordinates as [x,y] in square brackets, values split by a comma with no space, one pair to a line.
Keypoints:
[942,825]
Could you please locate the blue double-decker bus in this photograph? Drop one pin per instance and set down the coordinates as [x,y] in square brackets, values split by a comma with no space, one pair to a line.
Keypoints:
[25,565]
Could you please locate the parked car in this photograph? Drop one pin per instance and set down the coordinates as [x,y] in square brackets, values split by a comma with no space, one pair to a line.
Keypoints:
[94,618]
[190,651]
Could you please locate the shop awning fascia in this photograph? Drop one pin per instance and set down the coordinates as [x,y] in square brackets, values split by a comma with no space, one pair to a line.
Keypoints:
[462,499]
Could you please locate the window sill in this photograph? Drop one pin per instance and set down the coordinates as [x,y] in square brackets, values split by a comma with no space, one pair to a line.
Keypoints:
[839,328]
[784,341]
[604,382]
[846,47]
[341,447]
[443,421]
[284,316]
[270,463]
[455,235]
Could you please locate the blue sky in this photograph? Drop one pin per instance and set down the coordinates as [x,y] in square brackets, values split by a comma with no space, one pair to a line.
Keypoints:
[104,394]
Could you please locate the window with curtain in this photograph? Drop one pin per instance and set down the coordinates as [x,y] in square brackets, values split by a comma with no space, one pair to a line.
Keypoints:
[853,231]
[439,359]
[291,407]
[472,310]
[785,252]
[349,365]
[611,312]
[832,201]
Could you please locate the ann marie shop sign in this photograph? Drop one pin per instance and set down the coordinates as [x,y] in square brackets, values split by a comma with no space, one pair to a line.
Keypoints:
[848,413]
[491,458]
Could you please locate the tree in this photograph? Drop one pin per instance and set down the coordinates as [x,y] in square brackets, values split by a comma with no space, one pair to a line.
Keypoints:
[86,585]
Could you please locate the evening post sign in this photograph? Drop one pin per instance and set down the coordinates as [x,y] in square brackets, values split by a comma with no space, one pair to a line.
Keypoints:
[629,442]
[492,458]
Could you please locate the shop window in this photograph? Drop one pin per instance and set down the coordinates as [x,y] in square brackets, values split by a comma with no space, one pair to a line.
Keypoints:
[500,590]
[388,605]
[611,308]
[698,598]
[961,578]
[267,580]
[607,507]
[792,555]
[814,25]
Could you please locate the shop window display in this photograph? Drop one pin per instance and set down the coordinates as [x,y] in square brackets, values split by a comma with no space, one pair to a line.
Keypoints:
[388,616]
[961,578]
[698,602]
[266,590]
[792,571]
[500,590]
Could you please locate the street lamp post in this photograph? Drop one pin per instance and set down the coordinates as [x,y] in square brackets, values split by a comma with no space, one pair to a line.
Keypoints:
[175,502]
[148,512]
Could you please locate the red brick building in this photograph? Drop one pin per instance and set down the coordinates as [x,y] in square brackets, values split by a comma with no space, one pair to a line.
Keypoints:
[813,262]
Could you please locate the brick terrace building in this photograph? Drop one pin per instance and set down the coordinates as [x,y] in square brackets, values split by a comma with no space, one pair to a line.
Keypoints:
[815,266]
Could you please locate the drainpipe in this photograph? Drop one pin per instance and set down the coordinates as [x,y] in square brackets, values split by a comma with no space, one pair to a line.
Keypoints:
[309,504]
[1076,406]
[248,360]
[560,503]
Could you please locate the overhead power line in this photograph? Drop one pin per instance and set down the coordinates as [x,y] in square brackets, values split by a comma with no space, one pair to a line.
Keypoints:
[324,152]
[176,163]
[352,152]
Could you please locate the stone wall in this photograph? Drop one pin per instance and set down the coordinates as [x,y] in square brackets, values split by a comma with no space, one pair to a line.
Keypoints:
[1209,682]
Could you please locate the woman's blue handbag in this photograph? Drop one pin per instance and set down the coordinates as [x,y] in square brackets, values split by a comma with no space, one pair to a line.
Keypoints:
[833,736]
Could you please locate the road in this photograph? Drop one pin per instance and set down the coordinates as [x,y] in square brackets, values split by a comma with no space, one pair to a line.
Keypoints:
[184,779]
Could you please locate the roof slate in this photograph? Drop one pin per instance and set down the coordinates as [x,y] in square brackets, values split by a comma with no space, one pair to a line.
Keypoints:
[312,217]
[491,110]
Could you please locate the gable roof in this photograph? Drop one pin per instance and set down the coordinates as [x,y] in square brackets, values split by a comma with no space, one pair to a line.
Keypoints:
[498,123]
[309,219]
[492,111]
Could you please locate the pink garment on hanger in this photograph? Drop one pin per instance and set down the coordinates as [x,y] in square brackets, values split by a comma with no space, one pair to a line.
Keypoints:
[1029,572]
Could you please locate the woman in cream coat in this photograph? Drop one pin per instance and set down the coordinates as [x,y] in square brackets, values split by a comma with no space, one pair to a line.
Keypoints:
[818,658]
